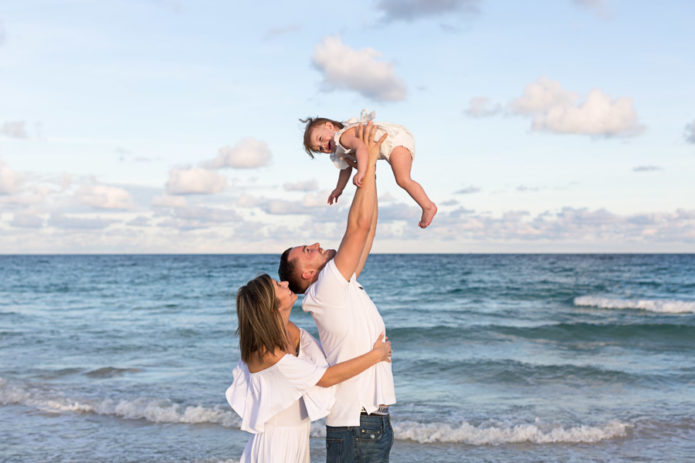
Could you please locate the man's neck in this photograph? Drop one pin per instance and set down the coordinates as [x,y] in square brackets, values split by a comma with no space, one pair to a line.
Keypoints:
[317,273]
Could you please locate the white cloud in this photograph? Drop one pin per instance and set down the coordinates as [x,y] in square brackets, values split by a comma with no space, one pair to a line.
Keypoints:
[104,197]
[273,206]
[358,70]
[482,107]
[169,201]
[139,221]
[195,181]
[690,132]
[9,180]
[568,225]
[65,181]
[528,189]
[59,220]
[195,217]
[307,185]
[542,96]
[596,5]
[467,190]
[388,197]
[26,220]
[249,153]
[399,211]
[648,168]
[556,110]
[278,31]
[409,10]
[599,115]
[312,204]
[14,129]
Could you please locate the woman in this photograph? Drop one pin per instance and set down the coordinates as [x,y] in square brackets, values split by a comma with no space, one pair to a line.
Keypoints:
[282,381]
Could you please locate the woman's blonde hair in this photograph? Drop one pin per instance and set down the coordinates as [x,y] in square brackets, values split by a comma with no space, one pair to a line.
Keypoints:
[312,122]
[260,328]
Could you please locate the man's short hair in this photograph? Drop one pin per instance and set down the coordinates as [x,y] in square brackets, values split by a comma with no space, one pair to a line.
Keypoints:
[287,271]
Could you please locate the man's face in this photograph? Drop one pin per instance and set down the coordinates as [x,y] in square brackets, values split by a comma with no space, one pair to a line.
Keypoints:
[310,257]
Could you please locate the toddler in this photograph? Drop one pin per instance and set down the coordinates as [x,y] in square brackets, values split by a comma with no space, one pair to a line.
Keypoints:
[347,151]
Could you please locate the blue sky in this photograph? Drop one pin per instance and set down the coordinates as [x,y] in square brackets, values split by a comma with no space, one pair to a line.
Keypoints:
[172,126]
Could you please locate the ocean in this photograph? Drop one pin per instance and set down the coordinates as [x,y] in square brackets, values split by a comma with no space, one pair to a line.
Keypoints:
[496,358]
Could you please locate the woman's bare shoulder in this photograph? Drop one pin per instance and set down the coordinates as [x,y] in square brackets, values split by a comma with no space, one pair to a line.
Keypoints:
[259,363]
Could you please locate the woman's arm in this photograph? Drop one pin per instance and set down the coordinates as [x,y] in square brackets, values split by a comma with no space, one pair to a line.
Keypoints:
[345,370]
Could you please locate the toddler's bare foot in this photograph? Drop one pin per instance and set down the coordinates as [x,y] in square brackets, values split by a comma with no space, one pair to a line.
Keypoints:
[427,216]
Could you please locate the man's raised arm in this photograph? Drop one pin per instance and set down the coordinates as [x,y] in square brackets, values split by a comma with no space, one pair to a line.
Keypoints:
[362,216]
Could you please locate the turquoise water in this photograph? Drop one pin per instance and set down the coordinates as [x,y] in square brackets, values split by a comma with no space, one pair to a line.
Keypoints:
[496,357]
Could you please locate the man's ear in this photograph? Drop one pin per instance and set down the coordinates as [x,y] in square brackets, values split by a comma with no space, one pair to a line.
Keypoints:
[308,274]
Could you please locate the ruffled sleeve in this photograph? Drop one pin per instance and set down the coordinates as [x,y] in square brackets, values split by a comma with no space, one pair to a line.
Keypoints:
[366,116]
[259,396]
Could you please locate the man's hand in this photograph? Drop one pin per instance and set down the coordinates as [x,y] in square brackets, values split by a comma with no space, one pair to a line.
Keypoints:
[366,135]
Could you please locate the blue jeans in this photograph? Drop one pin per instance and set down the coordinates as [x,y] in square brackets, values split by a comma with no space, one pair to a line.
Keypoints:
[370,442]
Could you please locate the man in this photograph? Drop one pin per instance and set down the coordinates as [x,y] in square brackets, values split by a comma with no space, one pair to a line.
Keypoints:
[358,427]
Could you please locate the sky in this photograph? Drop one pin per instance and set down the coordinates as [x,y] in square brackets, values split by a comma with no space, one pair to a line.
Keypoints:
[172,126]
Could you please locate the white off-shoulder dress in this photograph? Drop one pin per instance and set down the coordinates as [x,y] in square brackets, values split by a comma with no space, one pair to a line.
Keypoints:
[278,404]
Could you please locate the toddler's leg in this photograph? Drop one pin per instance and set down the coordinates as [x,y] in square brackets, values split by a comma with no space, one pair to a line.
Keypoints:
[401,162]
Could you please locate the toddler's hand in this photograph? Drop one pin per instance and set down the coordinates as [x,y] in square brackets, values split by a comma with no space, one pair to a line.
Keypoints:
[357,179]
[335,194]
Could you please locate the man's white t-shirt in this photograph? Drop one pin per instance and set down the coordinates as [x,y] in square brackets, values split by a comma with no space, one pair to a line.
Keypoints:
[349,324]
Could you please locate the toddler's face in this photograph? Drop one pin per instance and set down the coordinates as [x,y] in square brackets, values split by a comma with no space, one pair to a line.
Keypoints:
[322,138]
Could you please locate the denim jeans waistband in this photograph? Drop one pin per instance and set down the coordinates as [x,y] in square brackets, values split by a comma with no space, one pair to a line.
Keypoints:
[383,410]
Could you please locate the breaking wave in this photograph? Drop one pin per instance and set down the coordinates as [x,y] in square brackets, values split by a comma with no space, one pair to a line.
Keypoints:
[164,411]
[651,305]
[150,409]
[470,434]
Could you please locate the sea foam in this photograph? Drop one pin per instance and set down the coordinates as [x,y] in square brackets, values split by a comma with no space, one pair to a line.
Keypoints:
[149,409]
[470,434]
[164,411]
[466,433]
[651,305]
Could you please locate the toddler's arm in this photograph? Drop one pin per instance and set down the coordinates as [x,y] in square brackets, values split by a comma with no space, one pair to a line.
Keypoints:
[350,141]
[343,178]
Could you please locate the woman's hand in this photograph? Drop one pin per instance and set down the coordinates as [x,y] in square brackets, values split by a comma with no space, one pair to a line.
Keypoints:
[383,347]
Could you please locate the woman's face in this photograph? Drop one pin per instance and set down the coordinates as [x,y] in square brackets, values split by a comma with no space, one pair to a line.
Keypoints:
[285,298]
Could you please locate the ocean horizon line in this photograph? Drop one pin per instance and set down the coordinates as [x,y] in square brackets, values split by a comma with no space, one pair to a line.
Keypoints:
[501,253]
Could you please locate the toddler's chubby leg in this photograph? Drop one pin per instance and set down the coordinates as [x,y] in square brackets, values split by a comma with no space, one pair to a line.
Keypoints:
[401,162]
